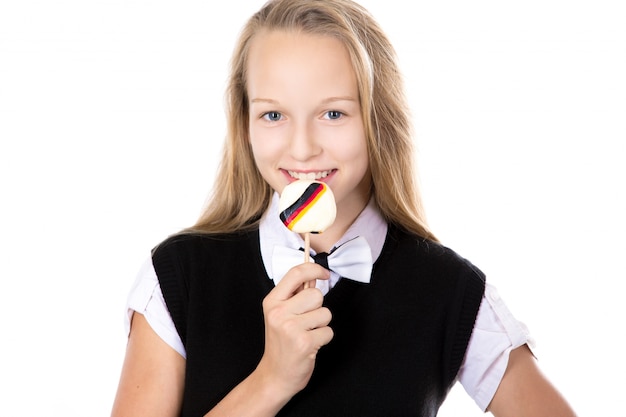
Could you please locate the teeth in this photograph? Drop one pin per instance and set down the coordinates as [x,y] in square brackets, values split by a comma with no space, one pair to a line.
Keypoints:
[309,175]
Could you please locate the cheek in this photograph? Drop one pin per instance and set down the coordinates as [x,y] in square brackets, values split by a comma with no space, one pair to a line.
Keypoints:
[360,156]
[263,147]
[352,146]
[256,140]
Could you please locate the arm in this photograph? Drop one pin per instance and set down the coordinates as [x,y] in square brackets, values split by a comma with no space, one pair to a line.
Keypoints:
[296,327]
[152,377]
[525,392]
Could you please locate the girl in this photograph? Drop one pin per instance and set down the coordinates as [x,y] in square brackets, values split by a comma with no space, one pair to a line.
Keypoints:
[222,324]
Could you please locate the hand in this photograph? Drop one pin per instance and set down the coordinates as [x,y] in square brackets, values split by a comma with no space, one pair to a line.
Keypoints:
[296,327]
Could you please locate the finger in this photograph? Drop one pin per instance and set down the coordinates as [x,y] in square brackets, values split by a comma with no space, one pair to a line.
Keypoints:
[321,337]
[315,319]
[305,301]
[309,284]
[296,277]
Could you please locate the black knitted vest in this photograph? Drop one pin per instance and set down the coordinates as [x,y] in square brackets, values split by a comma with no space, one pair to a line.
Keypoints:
[398,345]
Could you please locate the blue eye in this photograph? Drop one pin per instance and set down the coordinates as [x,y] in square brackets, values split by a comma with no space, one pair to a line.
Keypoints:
[272,116]
[334,114]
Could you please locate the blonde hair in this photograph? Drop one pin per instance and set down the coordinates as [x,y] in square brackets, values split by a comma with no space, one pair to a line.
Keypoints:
[241,195]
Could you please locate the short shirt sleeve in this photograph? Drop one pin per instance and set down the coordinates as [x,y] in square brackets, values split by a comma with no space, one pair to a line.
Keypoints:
[496,333]
[145,297]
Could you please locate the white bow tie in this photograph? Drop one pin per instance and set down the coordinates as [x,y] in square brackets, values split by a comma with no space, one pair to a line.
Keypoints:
[352,260]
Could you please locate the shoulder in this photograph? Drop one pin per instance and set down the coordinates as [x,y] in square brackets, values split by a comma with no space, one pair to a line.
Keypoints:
[431,256]
[183,253]
[191,242]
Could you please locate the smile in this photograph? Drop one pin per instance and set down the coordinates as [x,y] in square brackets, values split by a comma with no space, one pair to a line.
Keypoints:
[309,175]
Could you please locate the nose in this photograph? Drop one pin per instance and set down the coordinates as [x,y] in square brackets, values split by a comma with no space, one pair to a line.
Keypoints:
[303,144]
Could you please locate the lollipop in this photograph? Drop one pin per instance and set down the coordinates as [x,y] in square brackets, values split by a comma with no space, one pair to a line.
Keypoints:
[307,207]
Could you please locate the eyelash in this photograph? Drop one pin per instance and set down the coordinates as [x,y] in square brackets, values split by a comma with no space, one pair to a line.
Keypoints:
[267,117]
[336,114]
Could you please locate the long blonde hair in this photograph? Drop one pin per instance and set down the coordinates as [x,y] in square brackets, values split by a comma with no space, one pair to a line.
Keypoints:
[241,195]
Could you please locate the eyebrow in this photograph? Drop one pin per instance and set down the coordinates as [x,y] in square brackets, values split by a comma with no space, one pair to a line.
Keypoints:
[263,100]
[325,101]
[340,98]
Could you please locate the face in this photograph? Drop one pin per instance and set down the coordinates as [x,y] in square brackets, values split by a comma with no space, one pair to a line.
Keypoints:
[305,116]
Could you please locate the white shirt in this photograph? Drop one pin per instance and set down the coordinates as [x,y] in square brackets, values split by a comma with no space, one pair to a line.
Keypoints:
[496,332]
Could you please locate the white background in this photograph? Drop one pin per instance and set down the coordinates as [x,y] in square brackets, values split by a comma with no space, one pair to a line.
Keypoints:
[111,123]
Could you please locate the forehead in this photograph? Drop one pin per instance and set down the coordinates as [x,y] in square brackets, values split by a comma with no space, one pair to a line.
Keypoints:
[296,60]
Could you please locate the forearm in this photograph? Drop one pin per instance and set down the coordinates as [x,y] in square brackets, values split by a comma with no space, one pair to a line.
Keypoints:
[254,396]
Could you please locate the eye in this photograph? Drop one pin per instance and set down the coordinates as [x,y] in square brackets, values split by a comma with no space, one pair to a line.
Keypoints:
[333,114]
[272,116]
